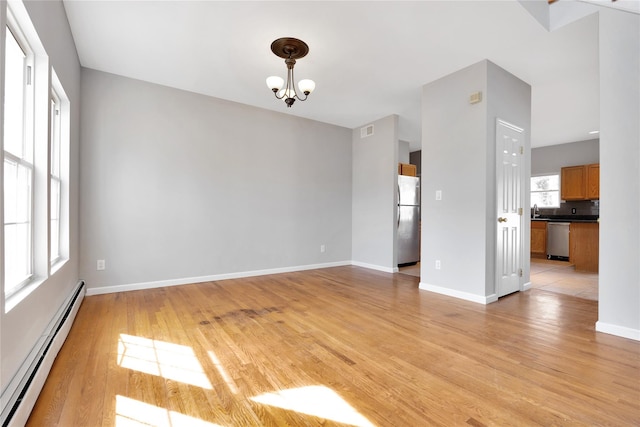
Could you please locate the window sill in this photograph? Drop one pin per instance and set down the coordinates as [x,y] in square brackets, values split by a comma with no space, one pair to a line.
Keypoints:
[58,265]
[15,299]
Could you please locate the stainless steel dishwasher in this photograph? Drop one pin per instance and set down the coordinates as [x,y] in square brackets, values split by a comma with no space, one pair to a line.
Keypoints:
[558,240]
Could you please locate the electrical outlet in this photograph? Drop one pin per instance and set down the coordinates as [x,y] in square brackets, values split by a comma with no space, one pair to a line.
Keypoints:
[100,265]
[437,264]
[322,248]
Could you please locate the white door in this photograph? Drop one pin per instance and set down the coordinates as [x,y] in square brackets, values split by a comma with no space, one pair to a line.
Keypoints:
[510,153]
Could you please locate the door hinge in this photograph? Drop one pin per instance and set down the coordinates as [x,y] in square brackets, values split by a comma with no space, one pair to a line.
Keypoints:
[520,211]
[520,272]
[521,149]
[28,75]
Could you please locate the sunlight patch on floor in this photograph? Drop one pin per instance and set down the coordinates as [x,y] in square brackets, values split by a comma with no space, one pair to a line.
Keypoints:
[223,373]
[133,413]
[163,359]
[319,401]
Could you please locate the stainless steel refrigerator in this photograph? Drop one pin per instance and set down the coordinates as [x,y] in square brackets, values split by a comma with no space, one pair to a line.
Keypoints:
[408,219]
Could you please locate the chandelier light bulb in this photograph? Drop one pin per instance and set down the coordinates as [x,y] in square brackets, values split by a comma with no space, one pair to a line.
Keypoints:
[306,86]
[275,83]
[286,93]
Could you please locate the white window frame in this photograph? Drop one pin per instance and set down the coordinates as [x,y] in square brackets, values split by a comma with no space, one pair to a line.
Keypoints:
[55,180]
[59,173]
[36,134]
[25,159]
[533,190]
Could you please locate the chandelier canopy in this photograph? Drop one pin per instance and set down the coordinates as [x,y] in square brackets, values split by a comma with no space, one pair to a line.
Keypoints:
[290,49]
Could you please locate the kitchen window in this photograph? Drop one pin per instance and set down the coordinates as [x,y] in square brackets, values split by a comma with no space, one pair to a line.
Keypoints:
[545,191]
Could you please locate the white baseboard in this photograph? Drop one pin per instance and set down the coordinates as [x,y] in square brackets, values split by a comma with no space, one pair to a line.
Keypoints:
[620,331]
[375,267]
[526,286]
[459,294]
[27,385]
[211,278]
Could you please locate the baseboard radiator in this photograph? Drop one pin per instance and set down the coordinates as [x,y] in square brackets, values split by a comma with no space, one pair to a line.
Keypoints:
[25,390]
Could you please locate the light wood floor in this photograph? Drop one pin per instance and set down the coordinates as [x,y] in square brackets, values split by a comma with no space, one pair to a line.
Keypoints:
[338,346]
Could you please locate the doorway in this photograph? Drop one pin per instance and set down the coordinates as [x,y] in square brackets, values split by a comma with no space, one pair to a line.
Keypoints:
[411,270]
[561,277]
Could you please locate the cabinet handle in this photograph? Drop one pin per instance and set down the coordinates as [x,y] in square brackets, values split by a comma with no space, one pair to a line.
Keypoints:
[501,219]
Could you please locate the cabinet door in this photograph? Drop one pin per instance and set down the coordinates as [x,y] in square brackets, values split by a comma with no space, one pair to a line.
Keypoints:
[584,246]
[573,183]
[593,182]
[539,238]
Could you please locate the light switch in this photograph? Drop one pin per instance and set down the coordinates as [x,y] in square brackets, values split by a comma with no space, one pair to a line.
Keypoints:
[438,194]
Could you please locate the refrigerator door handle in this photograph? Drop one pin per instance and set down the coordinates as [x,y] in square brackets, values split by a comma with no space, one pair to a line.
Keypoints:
[398,225]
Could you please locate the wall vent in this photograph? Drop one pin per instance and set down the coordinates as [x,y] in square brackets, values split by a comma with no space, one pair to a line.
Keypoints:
[366,131]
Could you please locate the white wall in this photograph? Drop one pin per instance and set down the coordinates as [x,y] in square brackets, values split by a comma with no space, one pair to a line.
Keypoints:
[24,325]
[375,171]
[176,186]
[619,276]
[458,158]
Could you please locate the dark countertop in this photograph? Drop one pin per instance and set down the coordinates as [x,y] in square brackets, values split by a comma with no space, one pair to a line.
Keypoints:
[567,218]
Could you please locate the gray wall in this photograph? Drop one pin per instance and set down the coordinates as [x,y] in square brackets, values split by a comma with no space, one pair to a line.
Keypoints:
[23,326]
[509,99]
[454,161]
[403,152]
[375,171]
[176,185]
[619,279]
[552,158]
[458,158]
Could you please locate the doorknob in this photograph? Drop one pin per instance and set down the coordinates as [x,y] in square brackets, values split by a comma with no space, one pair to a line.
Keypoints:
[501,219]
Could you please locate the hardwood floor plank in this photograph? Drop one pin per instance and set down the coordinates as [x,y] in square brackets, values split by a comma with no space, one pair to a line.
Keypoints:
[288,349]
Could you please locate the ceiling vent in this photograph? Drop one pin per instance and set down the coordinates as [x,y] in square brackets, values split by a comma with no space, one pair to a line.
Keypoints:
[366,131]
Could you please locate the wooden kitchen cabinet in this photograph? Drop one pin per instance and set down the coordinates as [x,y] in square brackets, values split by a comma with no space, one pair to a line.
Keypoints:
[584,244]
[407,169]
[573,183]
[539,239]
[580,182]
[593,181]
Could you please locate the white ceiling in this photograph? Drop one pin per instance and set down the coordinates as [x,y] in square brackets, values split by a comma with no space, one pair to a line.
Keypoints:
[369,59]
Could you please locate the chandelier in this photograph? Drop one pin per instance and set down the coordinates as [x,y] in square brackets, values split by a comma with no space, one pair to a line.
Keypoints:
[290,49]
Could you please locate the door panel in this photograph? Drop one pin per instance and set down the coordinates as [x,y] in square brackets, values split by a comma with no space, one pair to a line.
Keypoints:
[509,152]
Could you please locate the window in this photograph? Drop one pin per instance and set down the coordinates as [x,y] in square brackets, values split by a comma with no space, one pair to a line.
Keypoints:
[26,160]
[545,191]
[18,161]
[56,181]
[59,145]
